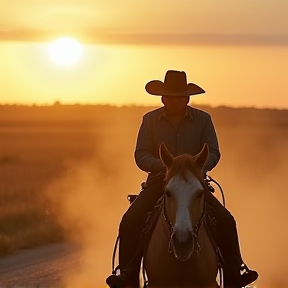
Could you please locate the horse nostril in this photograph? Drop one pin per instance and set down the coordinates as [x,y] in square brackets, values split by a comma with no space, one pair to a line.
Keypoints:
[182,238]
[190,238]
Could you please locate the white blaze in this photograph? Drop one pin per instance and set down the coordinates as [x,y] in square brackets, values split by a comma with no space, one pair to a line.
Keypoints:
[183,192]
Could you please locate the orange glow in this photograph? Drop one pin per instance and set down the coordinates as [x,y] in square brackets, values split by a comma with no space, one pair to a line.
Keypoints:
[111,74]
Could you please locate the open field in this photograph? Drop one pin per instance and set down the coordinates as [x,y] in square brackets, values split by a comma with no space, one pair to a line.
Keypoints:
[65,172]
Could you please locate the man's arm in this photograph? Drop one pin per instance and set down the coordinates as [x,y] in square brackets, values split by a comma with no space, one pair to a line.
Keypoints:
[210,137]
[144,157]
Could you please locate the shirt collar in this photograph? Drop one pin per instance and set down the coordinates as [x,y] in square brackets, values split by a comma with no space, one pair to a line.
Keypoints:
[188,113]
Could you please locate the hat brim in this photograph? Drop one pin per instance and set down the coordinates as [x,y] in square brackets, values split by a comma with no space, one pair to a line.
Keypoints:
[158,88]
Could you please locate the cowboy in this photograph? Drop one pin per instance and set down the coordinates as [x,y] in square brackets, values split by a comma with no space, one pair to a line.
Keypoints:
[183,129]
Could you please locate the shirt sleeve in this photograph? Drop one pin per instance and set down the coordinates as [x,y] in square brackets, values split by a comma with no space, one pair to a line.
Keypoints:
[210,137]
[143,155]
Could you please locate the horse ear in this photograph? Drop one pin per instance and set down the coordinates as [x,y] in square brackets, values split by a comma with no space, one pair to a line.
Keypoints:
[201,157]
[165,155]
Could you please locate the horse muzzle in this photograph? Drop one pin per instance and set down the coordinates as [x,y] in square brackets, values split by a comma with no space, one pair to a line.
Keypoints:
[183,248]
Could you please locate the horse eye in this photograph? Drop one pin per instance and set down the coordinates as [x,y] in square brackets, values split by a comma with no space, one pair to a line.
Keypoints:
[200,194]
[168,193]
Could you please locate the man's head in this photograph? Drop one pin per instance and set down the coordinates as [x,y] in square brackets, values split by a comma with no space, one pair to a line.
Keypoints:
[175,105]
[175,91]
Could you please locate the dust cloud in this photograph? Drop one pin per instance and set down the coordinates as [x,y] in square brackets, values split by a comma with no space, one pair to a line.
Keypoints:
[91,196]
[253,173]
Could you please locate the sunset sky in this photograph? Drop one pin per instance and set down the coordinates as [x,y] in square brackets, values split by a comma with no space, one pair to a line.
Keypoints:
[236,50]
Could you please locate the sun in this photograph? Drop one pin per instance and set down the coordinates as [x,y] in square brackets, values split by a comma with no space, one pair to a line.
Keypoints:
[65,51]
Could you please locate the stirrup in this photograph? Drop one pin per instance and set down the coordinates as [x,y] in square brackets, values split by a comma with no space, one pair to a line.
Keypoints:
[248,276]
[131,198]
[115,281]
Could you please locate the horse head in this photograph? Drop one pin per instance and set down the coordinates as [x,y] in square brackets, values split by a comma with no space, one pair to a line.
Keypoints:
[184,199]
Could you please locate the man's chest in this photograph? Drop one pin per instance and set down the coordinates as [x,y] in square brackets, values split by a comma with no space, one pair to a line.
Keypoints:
[181,138]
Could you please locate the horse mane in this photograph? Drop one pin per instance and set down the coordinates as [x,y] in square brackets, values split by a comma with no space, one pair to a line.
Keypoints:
[180,165]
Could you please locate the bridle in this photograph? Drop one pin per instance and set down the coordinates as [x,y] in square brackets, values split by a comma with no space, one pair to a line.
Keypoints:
[205,218]
[196,228]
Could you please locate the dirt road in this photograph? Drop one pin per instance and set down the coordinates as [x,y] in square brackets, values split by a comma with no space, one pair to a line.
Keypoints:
[40,267]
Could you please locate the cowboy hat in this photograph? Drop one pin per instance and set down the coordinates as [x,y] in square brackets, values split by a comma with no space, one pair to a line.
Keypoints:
[175,84]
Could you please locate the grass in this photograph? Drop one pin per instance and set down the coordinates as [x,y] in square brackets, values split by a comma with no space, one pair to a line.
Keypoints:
[26,220]
[27,217]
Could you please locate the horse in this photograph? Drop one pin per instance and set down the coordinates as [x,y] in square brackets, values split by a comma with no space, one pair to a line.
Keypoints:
[179,252]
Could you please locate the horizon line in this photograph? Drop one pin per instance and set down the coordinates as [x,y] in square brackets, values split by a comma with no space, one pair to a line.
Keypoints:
[59,104]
